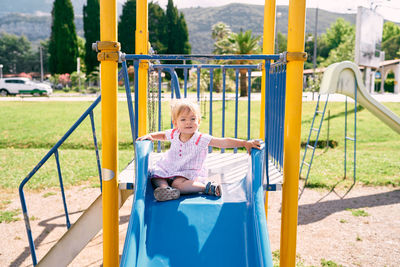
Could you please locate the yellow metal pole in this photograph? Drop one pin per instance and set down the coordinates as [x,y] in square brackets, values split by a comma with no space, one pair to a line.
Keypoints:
[141,47]
[268,48]
[294,89]
[108,32]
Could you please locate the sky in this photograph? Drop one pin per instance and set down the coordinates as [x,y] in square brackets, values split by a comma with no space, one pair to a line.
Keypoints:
[389,9]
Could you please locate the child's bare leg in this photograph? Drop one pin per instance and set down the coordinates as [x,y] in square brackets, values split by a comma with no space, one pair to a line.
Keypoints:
[160,182]
[187,186]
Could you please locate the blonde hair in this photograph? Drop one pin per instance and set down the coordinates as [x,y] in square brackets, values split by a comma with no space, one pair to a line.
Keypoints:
[181,105]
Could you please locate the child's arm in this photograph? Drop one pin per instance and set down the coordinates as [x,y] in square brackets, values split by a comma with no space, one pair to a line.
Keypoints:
[232,143]
[157,136]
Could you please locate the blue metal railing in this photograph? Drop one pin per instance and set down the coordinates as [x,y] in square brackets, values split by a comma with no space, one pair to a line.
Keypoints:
[54,151]
[275,97]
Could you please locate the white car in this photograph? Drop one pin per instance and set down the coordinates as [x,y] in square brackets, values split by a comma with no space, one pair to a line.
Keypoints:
[17,85]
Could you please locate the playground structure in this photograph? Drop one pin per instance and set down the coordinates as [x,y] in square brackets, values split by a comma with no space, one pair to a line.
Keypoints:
[345,78]
[277,130]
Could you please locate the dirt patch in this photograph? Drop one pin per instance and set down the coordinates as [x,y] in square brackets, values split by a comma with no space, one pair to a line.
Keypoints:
[363,229]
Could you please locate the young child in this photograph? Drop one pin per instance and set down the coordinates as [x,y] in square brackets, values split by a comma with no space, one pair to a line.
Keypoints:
[181,170]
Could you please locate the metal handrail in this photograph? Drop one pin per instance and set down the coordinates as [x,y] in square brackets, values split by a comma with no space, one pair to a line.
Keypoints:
[54,150]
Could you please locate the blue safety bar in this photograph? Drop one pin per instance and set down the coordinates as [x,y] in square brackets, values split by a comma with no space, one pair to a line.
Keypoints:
[54,151]
[275,117]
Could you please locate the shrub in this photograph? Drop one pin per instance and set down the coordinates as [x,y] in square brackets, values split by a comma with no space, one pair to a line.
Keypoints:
[387,87]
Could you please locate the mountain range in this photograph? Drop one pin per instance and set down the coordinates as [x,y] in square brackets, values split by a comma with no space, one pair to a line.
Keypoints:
[32,18]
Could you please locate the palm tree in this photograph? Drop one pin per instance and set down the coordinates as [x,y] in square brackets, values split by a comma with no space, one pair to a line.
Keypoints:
[242,43]
[220,31]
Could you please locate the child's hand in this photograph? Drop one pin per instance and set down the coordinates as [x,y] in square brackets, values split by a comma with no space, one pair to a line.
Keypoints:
[145,137]
[251,144]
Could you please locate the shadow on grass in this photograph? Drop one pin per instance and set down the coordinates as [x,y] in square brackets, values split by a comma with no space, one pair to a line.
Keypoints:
[49,226]
[310,213]
[350,111]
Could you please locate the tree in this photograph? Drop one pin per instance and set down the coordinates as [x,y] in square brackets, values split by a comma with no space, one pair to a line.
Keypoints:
[309,49]
[338,33]
[281,42]
[337,43]
[241,43]
[12,50]
[91,27]
[176,32]
[157,28]
[391,40]
[63,45]
[171,33]
[390,29]
[177,36]
[127,27]
[220,31]
[245,43]
[17,55]
[345,51]
[82,53]
[392,47]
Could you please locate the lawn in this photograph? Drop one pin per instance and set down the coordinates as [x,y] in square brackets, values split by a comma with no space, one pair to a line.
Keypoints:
[29,129]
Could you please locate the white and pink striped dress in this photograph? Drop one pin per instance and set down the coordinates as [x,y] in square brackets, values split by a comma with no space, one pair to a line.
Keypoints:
[183,159]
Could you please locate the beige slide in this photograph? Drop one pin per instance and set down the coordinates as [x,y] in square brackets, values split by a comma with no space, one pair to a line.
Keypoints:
[342,78]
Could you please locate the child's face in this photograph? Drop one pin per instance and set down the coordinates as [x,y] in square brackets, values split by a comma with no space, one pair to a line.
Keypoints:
[187,122]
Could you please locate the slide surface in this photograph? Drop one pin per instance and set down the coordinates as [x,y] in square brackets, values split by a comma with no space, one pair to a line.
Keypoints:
[342,78]
[198,230]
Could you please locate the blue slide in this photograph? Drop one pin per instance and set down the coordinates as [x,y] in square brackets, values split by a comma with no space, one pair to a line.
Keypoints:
[198,230]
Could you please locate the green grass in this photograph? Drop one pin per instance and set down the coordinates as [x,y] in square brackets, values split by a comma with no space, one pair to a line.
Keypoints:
[358,212]
[276,260]
[77,166]
[378,148]
[48,194]
[29,129]
[9,216]
[329,263]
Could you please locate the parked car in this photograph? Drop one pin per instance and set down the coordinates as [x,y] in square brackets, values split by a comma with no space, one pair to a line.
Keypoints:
[17,85]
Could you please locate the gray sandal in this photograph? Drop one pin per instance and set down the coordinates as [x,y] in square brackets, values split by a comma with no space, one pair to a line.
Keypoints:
[166,193]
[213,189]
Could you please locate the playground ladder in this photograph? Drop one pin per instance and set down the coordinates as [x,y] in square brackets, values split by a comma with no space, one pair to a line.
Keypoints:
[313,147]
[348,138]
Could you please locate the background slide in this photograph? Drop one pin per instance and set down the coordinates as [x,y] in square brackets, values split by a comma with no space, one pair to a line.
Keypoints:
[198,230]
[342,77]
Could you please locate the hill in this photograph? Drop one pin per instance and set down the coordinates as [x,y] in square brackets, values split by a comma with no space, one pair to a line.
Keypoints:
[34,27]
[35,6]
[33,20]
[247,17]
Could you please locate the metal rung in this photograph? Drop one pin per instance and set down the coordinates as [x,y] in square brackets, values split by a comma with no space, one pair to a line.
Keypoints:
[319,112]
[309,146]
[315,129]
[351,139]
[306,163]
[273,187]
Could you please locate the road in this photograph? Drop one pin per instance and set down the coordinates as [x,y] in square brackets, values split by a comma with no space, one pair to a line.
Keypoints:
[307,96]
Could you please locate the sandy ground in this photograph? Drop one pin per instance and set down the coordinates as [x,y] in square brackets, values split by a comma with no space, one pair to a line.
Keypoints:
[326,227]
